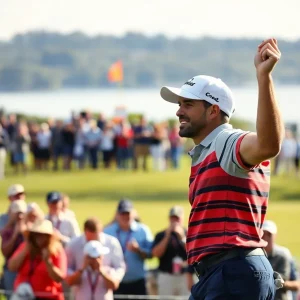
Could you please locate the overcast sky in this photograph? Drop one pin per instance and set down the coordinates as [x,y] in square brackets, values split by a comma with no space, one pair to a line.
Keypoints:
[194,18]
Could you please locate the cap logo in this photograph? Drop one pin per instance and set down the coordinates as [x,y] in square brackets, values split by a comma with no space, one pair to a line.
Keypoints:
[190,82]
[209,95]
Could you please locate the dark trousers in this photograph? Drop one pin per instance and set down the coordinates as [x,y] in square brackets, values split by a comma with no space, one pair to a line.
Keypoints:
[239,278]
[132,288]
[93,151]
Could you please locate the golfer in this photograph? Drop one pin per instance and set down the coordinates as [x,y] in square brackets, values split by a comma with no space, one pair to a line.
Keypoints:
[229,183]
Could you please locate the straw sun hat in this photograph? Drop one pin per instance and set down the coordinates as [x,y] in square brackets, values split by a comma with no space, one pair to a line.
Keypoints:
[40,226]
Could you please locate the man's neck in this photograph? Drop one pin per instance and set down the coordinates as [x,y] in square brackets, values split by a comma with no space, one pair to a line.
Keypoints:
[205,132]
[125,227]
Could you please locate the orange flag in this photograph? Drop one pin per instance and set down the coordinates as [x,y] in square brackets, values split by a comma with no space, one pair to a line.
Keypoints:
[115,72]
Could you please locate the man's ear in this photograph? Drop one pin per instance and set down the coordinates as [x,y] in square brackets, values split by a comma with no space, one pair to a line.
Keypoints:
[214,112]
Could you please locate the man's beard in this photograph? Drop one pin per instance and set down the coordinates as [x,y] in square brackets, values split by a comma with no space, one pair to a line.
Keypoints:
[192,130]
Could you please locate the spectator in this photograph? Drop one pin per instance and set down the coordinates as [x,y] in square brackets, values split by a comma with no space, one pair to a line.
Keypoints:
[4,143]
[12,128]
[176,146]
[297,159]
[136,241]
[107,145]
[40,262]
[93,139]
[68,140]
[281,260]
[288,152]
[95,280]
[93,231]
[80,148]
[169,247]
[34,129]
[65,228]
[43,146]
[123,141]
[34,213]
[15,192]
[57,143]
[157,149]
[21,148]
[101,122]
[141,143]
[12,238]
[69,214]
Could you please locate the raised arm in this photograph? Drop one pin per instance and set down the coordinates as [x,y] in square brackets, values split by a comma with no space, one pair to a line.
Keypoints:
[266,142]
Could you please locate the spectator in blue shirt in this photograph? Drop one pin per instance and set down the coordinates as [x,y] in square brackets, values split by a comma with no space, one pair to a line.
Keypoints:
[136,241]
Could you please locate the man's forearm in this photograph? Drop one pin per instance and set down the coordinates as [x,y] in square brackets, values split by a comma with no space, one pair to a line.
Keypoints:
[161,247]
[269,124]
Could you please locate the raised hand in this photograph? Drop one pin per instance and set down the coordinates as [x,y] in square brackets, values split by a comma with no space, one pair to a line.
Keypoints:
[268,54]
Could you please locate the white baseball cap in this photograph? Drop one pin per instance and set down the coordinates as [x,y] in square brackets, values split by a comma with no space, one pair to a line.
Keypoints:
[95,249]
[270,226]
[18,206]
[15,189]
[202,87]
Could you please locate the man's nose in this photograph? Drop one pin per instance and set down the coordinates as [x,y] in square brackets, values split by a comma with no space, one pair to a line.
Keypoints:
[179,112]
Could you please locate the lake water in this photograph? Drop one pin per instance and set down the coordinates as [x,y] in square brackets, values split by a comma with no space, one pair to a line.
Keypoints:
[147,101]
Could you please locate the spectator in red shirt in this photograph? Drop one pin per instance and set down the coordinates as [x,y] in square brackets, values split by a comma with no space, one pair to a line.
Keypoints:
[40,262]
[124,138]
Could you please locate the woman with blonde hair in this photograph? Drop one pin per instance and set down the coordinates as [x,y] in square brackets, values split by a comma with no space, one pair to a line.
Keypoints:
[41,263]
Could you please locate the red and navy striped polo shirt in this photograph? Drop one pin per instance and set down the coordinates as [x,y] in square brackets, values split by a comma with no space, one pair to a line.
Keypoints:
[228,199]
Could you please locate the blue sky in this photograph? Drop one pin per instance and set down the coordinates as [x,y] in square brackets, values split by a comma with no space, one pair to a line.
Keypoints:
[194,18]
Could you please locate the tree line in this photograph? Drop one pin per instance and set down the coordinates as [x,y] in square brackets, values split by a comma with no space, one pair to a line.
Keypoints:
[50,60]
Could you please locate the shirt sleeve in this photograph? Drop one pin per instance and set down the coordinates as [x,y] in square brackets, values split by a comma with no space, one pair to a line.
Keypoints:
[75,228]
[71,263]
[228,144]
[157,239]
[146,246]
[117,259]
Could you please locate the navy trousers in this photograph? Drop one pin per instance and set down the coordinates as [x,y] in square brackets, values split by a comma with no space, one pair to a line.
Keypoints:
[239,278]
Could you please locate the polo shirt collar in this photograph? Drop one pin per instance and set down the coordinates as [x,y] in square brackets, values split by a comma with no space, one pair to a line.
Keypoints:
[210,137]
[133,226]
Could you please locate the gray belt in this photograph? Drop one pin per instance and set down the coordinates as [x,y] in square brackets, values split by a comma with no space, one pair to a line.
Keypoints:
[214,259]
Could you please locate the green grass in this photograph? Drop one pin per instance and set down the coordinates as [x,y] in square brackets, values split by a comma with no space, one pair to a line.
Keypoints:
[96,193]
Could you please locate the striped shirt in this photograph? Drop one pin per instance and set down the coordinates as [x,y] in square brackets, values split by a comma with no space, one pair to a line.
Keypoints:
[228,199]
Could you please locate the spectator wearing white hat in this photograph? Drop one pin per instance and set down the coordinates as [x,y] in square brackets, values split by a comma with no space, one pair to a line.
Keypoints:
[12,237]
[281,260]
[114,261]
[15,192]
[95,280]
[40,261]
[65,228]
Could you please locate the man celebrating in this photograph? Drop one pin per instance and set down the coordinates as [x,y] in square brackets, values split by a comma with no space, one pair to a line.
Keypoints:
[229,183]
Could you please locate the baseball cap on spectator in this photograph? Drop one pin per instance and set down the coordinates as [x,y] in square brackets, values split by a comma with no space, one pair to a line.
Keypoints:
[53,197]
[176,211]
[202,87]
[18,206]
[95,249]
[15,189]
[270,226]
[125,206]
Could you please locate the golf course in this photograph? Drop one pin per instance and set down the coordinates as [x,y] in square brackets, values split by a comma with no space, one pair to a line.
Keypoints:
[97,192]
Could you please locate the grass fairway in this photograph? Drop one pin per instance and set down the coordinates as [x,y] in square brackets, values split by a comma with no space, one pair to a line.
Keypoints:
[96,193]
